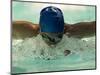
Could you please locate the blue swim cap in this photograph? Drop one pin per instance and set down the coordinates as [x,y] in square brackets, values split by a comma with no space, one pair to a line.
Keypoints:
[51,20]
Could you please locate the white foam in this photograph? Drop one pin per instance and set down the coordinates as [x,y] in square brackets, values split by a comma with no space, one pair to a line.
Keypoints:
[35,48]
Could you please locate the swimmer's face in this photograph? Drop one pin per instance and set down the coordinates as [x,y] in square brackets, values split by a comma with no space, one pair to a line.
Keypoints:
[51,25]
[52,38]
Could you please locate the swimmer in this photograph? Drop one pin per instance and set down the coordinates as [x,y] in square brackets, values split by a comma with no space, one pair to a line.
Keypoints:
[52,27]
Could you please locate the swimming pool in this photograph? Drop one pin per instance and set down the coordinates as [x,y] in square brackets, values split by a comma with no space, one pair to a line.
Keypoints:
[33,55]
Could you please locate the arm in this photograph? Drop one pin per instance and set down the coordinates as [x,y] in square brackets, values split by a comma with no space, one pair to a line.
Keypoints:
[24,29]
[79,30]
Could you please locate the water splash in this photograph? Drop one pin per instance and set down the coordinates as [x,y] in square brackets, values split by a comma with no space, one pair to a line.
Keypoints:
[34,55]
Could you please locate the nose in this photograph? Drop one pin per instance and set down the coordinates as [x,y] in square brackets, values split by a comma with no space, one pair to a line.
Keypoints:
[52,40]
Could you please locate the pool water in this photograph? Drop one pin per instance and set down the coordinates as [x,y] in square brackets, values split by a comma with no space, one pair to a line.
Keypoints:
[34,55]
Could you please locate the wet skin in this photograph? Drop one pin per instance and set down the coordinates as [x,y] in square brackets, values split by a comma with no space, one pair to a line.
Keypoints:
[80,30]
[25,29]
